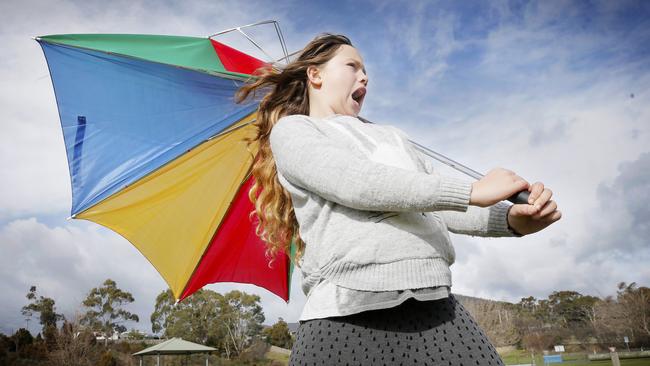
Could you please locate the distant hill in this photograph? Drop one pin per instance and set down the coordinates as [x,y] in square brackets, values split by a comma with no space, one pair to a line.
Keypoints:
[470,300]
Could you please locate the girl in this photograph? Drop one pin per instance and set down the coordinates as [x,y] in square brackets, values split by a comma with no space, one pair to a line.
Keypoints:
[370,218]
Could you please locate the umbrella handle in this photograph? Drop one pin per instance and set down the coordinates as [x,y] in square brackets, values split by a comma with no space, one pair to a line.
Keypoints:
[519,198]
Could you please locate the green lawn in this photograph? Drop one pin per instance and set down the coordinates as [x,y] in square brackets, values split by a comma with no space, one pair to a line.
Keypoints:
[522,357]
[281,357]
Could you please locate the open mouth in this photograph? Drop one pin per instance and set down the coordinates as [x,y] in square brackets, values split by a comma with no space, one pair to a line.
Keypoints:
[359,94]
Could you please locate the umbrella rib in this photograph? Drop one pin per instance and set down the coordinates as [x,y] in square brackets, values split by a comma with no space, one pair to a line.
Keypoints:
[278,31]
[255,43]
[231,130]
[243,26]
[282,43]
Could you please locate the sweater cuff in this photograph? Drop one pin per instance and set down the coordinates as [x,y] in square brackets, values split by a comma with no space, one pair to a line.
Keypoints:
[498,221]
[454,194]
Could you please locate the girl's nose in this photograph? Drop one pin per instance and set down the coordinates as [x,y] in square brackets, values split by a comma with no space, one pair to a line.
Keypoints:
[364,78]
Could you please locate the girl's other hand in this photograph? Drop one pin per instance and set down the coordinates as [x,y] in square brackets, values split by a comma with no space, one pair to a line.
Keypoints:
[497,185]
[537,215]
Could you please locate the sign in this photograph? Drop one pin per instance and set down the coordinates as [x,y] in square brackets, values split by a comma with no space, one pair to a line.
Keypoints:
[626,340]
[552,359]
[559,348]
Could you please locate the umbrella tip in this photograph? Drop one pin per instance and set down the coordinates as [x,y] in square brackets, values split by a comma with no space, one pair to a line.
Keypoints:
[36,38]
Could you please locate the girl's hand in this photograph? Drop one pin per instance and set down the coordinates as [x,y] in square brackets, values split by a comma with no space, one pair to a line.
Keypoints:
[535,216]
[497,185]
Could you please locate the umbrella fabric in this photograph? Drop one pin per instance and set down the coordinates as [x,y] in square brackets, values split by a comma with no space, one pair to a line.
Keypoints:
[155,152]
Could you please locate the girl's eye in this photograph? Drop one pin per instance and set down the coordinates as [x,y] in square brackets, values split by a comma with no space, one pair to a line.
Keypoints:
[353,65]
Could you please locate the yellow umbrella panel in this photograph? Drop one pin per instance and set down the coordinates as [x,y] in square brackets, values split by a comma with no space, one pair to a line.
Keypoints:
[172,214]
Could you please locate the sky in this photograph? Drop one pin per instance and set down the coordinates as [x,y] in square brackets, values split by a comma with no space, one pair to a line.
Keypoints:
[556,91]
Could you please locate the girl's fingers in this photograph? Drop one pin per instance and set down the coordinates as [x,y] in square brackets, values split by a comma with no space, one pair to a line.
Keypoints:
[522,210]
[548,208]
[543,198]
[556,216]
[548,213]
[535,191]
[552,217]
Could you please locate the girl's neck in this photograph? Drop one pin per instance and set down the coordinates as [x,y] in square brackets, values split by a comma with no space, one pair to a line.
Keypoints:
[321,113]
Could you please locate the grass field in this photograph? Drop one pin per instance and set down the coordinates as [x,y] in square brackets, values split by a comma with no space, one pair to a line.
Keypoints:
[278,357]
[522,357]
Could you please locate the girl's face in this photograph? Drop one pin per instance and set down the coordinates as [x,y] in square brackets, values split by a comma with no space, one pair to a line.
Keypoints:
[339,85]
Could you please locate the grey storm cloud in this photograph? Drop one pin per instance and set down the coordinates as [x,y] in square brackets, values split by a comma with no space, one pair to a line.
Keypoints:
[627,204]
[544,134]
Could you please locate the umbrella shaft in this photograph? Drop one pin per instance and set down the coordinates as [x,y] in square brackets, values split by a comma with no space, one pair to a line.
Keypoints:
[445,160]
[517,198]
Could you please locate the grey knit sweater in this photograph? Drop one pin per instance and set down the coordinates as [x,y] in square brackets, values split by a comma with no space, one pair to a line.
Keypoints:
[373,213]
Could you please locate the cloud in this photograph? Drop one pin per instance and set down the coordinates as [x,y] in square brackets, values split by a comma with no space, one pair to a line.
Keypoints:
[609,246]
[65,262]
[623,233]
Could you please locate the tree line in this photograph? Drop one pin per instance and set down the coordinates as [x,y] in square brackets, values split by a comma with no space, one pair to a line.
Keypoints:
[231,322]
[582,322]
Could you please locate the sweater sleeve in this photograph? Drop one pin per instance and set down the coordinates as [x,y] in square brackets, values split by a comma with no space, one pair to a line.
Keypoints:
[309,159]
[476,221]
[480,221]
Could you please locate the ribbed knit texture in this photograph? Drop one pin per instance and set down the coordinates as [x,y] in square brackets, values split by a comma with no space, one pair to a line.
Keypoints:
[417,272]
[373,213]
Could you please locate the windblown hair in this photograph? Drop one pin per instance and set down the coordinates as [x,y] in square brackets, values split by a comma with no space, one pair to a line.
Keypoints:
[287,94]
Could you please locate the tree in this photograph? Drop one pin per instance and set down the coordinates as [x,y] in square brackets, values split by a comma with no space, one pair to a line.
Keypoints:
[44,306]
[104,309]
[242,317]
[495,318]
[162,310]
[6,345]
[193,319]
[22,338]
[571,308]
[227,322]
[278,334]
[635,306]
[608,320]
[75,346]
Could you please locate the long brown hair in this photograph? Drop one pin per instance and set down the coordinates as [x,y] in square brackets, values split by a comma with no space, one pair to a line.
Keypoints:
[287,94]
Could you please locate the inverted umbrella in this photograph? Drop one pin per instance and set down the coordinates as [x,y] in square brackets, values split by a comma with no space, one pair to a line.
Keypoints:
[155,150]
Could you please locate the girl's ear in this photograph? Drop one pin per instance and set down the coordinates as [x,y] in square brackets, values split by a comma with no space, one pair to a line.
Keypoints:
[313,75]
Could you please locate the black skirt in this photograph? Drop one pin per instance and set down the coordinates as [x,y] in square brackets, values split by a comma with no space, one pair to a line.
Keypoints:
[438,332]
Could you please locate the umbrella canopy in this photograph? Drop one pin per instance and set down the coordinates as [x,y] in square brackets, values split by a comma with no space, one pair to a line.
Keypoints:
[155,150]
[175,346]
